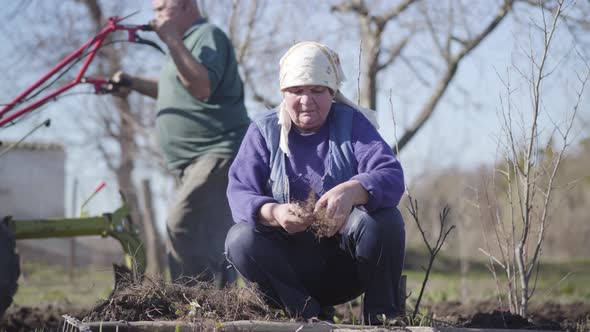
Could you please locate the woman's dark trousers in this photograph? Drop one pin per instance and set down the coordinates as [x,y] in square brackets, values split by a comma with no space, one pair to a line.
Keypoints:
[300,273]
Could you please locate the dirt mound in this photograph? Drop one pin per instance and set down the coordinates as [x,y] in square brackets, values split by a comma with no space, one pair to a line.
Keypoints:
[488,314]
[43,318]
[158,300]
[202,303]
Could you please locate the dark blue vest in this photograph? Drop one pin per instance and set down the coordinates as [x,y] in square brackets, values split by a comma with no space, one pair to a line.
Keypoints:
[341,165]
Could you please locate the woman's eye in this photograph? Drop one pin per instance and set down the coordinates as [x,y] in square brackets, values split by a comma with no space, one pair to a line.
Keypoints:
[298,92]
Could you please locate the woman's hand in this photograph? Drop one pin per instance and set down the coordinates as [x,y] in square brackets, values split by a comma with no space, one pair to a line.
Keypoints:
[283,215]
[339,202]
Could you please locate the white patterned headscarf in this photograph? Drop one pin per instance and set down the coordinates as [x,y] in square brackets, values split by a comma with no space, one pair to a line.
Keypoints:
[311,63]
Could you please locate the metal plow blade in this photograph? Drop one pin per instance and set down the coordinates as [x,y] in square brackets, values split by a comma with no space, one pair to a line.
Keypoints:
[71,324]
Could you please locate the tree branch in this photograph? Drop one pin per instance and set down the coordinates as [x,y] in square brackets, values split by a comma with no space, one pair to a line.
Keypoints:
[394,12]
[393,54]
[445,80]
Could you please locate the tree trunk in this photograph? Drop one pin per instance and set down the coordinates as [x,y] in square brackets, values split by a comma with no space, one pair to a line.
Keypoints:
[126,140]
[369,64]
[155,251]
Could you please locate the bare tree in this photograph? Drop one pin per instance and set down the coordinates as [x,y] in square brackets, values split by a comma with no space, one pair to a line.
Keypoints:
[116,129]
[529,173]
[124,137]
[241,30]
[372,27]
[123,126]
[454,34]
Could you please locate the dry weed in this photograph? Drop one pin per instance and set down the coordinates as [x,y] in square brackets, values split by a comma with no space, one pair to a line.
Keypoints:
[158,300]
[320,223]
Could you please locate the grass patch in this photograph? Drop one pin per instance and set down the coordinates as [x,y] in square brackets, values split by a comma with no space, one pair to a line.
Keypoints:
[50,284]
[559,281]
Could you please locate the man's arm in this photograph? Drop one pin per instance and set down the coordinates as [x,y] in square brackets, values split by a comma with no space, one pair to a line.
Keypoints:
[127,82]
[193,75]
[145,86]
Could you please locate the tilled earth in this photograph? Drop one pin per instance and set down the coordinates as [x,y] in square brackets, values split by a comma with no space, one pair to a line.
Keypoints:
[41,318]
[487,314]
[159,301]
[551,316]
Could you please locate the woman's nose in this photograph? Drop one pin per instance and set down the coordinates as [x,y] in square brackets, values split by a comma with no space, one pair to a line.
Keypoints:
[306,99]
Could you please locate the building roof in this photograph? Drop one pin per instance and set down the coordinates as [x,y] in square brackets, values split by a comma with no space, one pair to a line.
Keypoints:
[32,146]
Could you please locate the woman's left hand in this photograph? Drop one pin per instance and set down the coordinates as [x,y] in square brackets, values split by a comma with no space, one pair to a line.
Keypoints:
[339,202]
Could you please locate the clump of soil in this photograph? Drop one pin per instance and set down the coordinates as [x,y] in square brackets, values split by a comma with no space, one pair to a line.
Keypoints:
[42,318]
[157,300]
[488,314]
[573,317]
[499,320]
[320,225]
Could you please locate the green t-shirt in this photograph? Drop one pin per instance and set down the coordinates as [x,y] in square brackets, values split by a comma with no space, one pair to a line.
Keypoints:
[189,128]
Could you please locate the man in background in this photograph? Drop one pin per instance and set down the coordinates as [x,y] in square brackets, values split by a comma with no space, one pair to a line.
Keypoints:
[201,119]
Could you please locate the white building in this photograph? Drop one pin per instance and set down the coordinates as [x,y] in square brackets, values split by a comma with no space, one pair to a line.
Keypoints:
[32,181]
[32,186]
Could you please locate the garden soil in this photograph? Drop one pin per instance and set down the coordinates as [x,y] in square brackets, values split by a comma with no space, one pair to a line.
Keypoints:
[551,316]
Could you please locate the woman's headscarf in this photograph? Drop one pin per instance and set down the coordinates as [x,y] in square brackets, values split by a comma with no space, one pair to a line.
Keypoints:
[311,63]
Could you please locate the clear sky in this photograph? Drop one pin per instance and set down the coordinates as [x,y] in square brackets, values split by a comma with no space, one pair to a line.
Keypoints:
[462,132]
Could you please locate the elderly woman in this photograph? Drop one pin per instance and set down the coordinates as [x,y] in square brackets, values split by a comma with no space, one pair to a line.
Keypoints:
[319,141]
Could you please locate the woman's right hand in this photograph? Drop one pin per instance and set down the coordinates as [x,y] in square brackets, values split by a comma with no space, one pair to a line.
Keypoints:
[284,215]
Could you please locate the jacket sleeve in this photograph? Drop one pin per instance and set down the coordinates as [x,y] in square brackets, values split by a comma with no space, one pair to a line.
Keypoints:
[379,171]
[248,176]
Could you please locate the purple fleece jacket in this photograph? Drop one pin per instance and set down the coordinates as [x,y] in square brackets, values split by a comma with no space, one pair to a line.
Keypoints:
[379,172]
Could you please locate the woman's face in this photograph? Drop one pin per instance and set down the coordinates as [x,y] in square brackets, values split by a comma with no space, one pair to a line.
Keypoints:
[308,106]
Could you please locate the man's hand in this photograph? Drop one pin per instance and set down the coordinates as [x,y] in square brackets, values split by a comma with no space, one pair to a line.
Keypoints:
[339,202]
[166,29]
[283,215]
[121,83]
